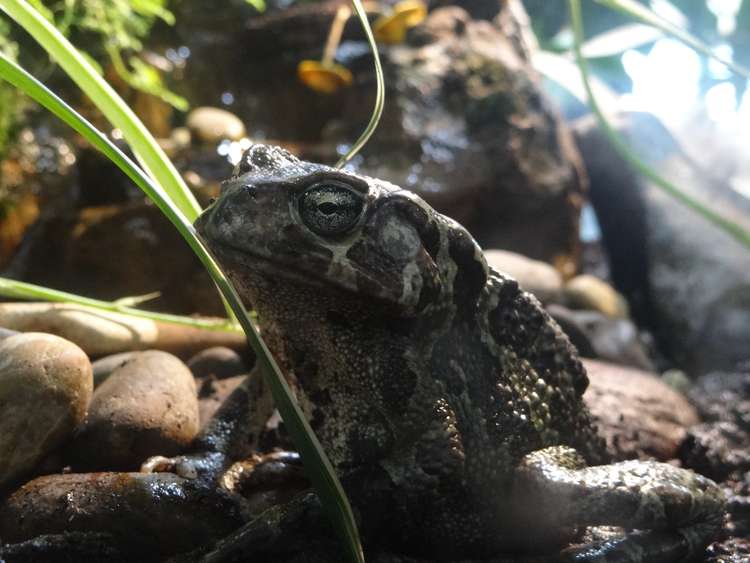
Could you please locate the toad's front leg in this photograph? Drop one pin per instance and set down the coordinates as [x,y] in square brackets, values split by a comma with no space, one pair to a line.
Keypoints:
[681,510]
[230,435]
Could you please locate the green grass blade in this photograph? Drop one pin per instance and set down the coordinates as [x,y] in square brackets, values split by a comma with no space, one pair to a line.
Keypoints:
[318,467]
[643,14]
[14,289]
[735,230]
[106,99]
[377,110]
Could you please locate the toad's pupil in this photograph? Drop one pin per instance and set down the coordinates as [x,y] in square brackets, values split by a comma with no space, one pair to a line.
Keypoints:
[328,208]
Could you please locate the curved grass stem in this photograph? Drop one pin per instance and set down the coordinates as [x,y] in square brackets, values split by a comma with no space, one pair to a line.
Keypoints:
[377,110]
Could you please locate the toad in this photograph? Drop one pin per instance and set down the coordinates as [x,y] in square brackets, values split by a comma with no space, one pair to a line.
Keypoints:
[449,402]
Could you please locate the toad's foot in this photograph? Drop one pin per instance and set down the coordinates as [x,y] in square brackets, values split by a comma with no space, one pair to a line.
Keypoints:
[682,510]
[230,435]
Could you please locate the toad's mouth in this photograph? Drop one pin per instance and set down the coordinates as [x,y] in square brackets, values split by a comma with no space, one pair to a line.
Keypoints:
[237,260]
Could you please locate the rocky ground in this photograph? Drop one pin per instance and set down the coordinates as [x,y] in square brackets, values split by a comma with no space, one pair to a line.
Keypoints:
[76,432]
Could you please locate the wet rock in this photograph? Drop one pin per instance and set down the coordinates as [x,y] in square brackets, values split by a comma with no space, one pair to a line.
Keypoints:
[212,393]
[102,333]
[590,293]
[534,276]
[638,415]
[45,388]
[467,125]
[598,336]
[217,361]
[685,278]
[470,130]
[146,407]
[212,125]
[157,513]
[37,182]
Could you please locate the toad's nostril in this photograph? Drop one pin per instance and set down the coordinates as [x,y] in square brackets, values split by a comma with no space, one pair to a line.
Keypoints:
[251,191]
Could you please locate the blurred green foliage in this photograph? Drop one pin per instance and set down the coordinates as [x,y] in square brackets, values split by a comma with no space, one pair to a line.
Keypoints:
[10,99]
[550,22]
[111,33]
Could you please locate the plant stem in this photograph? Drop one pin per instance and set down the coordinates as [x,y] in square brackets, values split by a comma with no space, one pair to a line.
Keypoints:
[334,35]
[377,110]
[15,289]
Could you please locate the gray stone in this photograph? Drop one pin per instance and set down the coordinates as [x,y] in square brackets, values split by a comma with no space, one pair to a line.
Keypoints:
[102,333]
[146,407]
[45,388]
[638,414]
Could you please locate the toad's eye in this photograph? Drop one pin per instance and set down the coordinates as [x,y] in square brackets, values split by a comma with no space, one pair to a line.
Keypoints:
[330,208]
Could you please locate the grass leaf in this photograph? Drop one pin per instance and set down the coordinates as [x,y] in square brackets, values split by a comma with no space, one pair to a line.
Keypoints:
[15,289]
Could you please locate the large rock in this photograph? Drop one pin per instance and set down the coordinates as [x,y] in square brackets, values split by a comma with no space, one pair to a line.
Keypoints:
[470,130]
[45,388]
[146,407]
[143,514]
[639,415]
[466,124]
[685,278]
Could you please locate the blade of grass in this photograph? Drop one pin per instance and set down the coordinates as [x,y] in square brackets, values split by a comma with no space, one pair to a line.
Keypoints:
[643,14]
[106,99]
[15,289]
[317,465]
[377,110]
[735,230]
